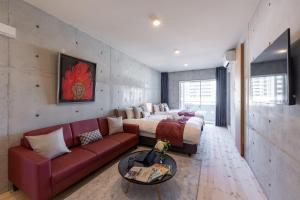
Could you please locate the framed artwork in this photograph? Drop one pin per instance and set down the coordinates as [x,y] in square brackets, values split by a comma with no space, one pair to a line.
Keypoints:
[76,80]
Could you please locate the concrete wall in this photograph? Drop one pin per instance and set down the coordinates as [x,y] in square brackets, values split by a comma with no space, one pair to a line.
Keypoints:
[176,77]
[231,111]
[28,68]
[273,132]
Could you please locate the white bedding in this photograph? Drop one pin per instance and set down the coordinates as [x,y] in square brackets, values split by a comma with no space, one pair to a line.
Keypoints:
[198,113]
[192,129]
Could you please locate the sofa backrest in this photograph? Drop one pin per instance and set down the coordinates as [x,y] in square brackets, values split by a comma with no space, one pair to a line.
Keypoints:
[71,131]
[83,126]
[66,129]
[103,125]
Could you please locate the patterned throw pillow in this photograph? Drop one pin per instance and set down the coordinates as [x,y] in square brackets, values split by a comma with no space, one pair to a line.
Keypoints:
[89,137]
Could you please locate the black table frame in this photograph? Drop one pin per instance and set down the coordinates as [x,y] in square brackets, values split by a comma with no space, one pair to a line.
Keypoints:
[124,169]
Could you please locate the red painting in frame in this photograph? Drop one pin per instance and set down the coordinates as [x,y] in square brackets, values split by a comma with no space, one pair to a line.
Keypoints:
[76,80]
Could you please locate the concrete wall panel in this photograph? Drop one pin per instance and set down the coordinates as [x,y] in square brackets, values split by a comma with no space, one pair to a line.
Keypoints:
[28,76]
[40,29]
[3,51]
[282,167]
[3,127]
[274,128]
[3,98]
[26,56]
[4,11]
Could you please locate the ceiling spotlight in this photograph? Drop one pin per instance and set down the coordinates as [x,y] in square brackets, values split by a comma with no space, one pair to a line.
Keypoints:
[177,51]
[186,65]
[155,20]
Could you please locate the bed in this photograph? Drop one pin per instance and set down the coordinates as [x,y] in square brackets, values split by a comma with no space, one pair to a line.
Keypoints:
[181,112]
[193,127]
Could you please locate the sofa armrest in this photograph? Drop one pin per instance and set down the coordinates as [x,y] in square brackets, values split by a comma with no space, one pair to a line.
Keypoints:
[131,128]
[30,172]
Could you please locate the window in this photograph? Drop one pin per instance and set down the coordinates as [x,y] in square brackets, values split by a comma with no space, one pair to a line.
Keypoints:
[199,95]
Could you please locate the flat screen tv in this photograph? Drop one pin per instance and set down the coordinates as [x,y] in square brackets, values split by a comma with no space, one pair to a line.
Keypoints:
[76,80]
[271,77]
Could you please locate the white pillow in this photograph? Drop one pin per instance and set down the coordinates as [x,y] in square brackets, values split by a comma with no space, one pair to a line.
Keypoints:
[156,108]
[49,145]
[129,113]
[115,125]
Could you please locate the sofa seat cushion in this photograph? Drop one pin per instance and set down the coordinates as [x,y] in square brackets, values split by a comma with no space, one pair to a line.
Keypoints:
[125,138]
[70,163]
[103,148]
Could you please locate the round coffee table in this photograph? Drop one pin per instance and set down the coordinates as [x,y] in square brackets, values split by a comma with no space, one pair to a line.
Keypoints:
[139,155]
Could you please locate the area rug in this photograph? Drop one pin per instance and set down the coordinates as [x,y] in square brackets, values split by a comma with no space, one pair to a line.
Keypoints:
[109,185]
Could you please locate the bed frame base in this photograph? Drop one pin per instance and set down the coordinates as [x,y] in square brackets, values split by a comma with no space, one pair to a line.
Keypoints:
[186,149]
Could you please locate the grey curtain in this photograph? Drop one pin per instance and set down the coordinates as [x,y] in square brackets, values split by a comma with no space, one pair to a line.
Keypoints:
[221,76]
[164,88]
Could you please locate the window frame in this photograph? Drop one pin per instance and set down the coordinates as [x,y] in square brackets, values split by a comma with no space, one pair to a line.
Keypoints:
[181,103]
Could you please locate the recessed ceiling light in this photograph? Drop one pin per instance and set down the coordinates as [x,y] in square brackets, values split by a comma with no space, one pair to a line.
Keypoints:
[177,51]
[186,65]
[156,22]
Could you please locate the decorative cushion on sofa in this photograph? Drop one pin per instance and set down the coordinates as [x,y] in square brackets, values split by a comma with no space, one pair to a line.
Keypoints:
[49,145]
[129,113]
[115,125]
[89,137]
[137,112]
[156,108]
[83,126]
[120,113]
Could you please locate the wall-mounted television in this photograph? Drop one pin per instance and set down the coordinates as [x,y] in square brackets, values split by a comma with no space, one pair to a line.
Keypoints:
[271,78]
[76,80]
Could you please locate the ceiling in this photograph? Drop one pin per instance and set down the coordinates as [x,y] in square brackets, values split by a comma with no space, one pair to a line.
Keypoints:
[202,29]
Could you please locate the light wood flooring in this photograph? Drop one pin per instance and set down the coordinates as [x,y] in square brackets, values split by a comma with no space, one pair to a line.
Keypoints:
[224,174]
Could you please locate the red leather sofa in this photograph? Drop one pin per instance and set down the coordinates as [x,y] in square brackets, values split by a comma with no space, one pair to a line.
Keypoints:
[41,178]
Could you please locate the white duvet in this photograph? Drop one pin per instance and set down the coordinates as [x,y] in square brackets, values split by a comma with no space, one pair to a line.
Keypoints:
[198,113]
[192,129]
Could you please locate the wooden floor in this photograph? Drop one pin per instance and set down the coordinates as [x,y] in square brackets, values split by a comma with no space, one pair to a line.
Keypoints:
[224,174]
